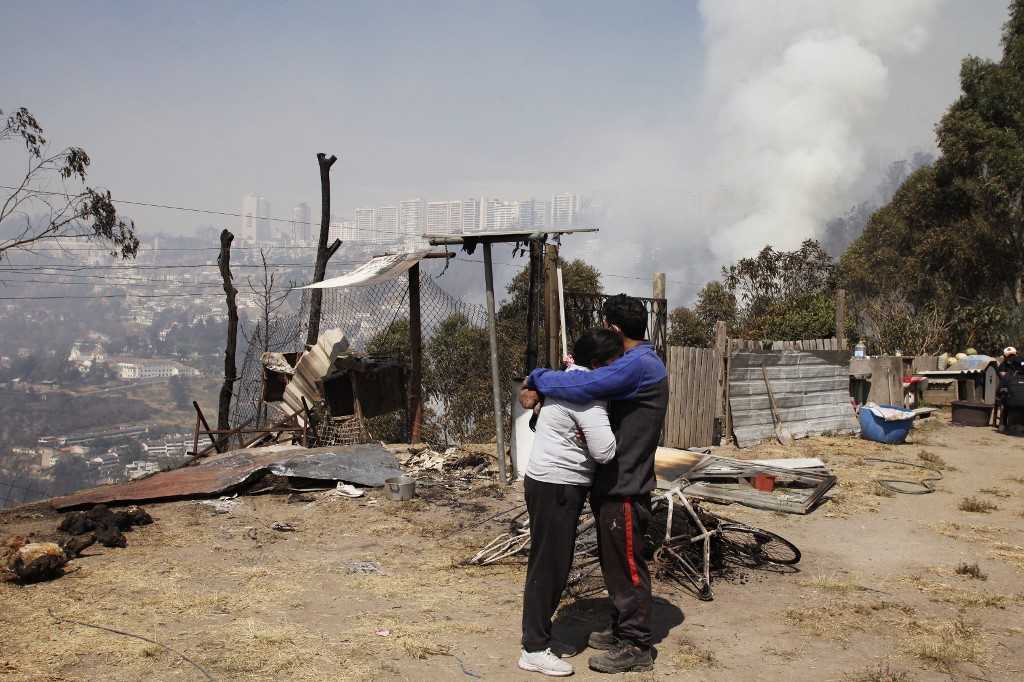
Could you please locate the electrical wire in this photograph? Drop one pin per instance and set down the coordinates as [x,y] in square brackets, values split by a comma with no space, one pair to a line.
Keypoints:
[197,210]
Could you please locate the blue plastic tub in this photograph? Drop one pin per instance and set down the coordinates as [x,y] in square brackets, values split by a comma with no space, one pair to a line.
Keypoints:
[877,429]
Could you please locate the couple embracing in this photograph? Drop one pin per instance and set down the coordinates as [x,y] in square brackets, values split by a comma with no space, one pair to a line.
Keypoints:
[597,432]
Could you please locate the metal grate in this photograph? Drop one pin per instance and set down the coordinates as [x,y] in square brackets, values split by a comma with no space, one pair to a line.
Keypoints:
[583,311]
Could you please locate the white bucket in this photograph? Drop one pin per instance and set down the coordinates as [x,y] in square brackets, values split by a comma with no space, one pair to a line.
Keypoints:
[522,438]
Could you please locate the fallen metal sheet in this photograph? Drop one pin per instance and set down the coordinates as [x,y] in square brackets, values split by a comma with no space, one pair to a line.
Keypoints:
[362,464]
[368,465]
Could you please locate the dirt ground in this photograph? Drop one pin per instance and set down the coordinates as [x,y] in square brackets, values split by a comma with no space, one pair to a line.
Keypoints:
[877,598]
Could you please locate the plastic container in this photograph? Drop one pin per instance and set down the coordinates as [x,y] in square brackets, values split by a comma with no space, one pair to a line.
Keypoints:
[401,488]
[971,413]
[860,350]
[877,429]
[764,482]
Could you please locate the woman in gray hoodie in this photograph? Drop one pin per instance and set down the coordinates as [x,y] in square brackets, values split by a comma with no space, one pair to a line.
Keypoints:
[571,440]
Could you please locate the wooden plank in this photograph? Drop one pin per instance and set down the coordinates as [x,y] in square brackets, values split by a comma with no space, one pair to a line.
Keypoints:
[698,390]
[688,411]
[679,408]
[673,394]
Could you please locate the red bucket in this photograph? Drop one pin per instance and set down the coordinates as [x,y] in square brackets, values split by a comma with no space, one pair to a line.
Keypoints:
[764,482]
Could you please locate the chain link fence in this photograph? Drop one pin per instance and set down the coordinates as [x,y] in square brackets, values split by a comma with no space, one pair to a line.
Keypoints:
[457,401]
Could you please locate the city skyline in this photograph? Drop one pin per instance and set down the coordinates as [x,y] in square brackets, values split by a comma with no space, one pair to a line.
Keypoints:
[407,220]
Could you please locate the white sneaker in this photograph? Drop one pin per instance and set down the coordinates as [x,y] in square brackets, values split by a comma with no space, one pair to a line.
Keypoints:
[545,662]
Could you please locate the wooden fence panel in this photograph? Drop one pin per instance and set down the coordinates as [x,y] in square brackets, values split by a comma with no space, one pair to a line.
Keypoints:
[693,395]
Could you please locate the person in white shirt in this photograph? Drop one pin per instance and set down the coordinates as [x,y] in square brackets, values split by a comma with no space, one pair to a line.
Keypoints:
[571,440]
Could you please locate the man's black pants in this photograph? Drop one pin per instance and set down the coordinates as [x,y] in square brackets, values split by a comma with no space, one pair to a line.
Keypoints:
[554,512]
[621,526]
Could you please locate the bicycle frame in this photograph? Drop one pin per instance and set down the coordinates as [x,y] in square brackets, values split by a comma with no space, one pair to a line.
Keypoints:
[700,578]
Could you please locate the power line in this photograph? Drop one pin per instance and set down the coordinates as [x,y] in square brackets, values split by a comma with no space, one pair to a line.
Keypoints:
[197,210]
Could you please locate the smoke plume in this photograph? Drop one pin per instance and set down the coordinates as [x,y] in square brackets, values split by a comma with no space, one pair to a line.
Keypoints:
[787,85]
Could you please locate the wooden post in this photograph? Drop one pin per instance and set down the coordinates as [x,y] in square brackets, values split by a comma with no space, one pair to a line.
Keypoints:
[416,360]
[322,255]
[841,318]
[658,308]
[552,315]
[230,371]
[534,303]
[721,344]
[499,429]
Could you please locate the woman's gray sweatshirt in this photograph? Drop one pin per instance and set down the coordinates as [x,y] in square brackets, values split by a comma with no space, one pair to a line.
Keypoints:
[571,440]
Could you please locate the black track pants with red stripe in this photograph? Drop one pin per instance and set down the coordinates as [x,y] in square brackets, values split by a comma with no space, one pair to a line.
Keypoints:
[621,525]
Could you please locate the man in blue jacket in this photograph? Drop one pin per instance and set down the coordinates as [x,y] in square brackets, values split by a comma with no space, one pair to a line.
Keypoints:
[637,387]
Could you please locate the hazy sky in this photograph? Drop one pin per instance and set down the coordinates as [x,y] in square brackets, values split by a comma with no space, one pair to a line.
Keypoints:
[199,103]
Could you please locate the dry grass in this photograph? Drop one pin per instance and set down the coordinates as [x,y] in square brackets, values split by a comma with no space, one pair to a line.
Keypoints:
[689,656]
[1012,554]
[976,506]
[935,460]
[882,672]
[837,619]
[971,570]
[833,583]
[995,492]
[1017,479]
[961,598]
[946,644]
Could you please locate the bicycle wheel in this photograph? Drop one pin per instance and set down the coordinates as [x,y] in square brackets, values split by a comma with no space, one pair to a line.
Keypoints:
[757,546]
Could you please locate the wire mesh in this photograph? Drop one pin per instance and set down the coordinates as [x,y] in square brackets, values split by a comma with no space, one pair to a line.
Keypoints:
[583,311]
[458,404]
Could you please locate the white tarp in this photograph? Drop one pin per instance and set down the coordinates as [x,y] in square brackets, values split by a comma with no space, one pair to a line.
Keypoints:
[889,414]
[374,271]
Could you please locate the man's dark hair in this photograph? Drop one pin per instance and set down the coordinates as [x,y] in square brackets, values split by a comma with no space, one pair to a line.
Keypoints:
[598,346]
[628,314]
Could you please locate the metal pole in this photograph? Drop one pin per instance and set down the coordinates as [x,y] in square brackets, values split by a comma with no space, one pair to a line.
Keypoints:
[561,312]
[415,407]
[495,380]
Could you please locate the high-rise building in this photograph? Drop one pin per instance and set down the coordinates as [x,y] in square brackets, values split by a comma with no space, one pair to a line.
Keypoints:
[496,214]
[364,230]
[541,213]
[250,214]
[470,215]
[412,220]
[302,228]
[385,223]
[531,213]
[438,217]
[564,209]
[262,221]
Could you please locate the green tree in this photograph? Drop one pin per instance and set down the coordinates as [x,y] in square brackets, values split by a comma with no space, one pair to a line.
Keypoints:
[577,277]
[953,234]
[81,213]
[785,295]
[685,328]
[715,302]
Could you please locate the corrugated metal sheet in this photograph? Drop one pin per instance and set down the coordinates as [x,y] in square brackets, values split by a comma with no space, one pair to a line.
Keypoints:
[362,464]
[812,392]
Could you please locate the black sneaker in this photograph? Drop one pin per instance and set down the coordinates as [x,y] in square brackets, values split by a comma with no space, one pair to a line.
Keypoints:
[603,640]
[625,658]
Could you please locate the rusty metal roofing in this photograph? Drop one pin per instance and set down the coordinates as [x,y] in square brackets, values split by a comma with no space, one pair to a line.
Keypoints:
[362,464]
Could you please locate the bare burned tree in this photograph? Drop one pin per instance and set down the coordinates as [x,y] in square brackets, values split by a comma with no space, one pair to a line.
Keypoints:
[42,208]
[230,370]
[270,300]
